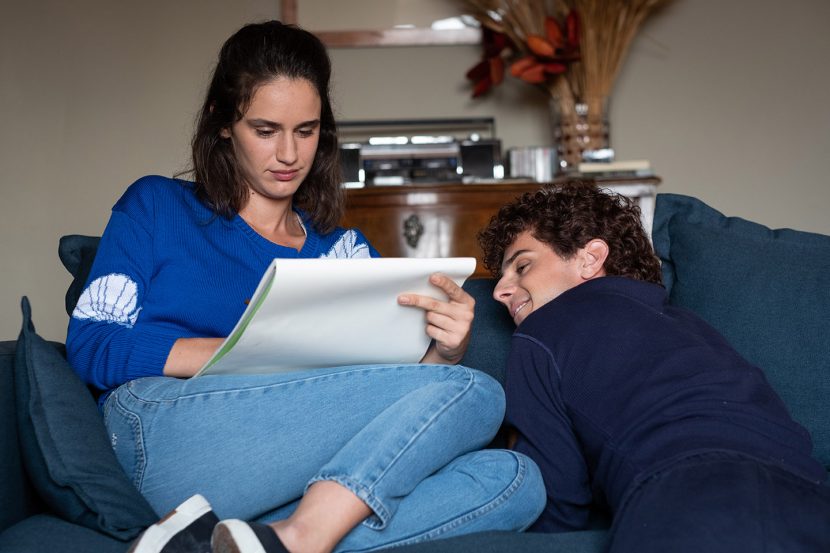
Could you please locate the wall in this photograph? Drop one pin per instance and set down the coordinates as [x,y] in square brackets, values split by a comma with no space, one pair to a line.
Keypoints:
[727,99]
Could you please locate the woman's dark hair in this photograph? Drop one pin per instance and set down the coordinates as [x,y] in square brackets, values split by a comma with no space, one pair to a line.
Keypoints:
[254,55]
[566,217]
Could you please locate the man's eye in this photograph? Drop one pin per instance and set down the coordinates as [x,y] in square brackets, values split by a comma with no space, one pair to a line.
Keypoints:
[521,268]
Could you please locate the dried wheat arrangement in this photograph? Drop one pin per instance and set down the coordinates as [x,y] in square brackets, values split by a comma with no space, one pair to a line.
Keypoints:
[580,44]
[573,49]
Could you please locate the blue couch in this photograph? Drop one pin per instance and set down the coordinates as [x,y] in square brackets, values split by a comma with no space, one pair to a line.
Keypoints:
[767,291]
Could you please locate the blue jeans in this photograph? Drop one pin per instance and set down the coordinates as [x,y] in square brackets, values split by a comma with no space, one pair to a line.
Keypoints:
[404,439]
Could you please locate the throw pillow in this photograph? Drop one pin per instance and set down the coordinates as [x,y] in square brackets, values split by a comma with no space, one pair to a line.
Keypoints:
[64,443]
[491,333]
[18,499]
[77,253]
[767,291]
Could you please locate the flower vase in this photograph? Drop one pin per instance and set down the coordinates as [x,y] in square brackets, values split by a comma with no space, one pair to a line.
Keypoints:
[579,126]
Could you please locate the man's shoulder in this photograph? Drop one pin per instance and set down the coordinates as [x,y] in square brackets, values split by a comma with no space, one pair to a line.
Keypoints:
[612,295]
[593,308]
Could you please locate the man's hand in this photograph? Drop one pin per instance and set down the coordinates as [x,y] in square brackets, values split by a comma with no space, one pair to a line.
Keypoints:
[448,322]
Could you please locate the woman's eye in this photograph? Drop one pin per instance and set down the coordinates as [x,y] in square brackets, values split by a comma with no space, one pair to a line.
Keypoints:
[264,133]
[305,133]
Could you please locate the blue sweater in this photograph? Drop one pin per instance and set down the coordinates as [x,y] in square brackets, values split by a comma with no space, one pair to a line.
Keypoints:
[607,383]
[166,268]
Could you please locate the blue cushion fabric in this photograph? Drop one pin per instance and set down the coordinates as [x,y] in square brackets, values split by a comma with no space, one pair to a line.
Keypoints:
[45,533]
[17,498]
[767,291]
[64,444]
[77,252]
[491,333]
[588,541]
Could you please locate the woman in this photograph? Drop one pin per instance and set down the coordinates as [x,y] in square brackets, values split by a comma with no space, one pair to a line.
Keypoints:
[349,458]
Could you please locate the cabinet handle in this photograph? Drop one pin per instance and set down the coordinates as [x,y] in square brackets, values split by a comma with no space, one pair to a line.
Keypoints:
[412,230]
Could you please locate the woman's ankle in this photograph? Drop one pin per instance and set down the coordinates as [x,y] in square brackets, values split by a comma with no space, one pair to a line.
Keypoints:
[298,538]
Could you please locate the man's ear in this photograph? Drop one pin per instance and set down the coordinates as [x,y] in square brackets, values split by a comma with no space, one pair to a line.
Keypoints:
[593,256]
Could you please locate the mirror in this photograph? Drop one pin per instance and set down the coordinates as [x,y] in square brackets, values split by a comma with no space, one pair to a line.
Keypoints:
[360,23]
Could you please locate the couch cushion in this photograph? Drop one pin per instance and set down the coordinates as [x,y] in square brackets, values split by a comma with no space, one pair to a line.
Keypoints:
[588,541]
[49,534]
[64,443]
[767,291]
[17,498]
[491,333]
[77,253]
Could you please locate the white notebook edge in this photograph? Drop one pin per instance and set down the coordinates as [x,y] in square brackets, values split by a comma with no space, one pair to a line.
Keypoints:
[458,268]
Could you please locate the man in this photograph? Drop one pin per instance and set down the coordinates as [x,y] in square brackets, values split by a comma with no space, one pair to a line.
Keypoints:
[629,403]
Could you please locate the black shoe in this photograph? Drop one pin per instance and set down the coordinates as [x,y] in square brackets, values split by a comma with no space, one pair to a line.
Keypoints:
[237,536]
[185,529]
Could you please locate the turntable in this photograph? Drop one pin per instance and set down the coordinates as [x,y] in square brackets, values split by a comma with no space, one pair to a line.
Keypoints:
[399,152]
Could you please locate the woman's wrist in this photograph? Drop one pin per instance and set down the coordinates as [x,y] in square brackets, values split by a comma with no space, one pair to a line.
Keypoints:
[434,357]
[188,355]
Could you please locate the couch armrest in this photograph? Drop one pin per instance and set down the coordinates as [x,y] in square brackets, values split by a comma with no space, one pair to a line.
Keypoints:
[18,499]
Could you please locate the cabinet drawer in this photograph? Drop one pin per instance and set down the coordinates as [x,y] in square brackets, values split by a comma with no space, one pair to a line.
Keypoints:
[436,221]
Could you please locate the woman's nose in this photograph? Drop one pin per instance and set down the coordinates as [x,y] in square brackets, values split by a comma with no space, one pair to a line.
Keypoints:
[287,149]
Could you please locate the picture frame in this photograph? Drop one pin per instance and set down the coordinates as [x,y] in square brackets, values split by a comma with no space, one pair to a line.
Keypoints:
[353,38]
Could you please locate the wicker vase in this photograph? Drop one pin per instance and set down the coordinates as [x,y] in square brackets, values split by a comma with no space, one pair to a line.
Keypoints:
[578,127]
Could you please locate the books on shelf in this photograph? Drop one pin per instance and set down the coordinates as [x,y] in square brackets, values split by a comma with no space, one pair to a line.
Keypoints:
[536,162]
[621,168]
[316,313]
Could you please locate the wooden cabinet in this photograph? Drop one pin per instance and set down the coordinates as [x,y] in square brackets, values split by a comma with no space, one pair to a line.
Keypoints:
[443,220]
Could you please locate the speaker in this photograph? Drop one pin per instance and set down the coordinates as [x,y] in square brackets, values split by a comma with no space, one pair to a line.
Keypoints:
[481,158]
[350,163]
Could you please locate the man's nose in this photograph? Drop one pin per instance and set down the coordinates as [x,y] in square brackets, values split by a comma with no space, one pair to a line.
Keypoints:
[503,291]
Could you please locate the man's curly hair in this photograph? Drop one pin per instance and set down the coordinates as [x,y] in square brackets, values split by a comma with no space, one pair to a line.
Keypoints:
[567,217]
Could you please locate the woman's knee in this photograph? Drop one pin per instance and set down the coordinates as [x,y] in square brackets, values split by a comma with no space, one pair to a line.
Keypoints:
[486,392]
[511,481]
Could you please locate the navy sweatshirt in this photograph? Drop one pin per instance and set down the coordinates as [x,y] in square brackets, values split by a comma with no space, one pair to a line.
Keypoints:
[607,382]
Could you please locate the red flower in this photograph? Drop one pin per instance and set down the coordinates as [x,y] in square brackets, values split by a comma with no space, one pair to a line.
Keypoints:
[539,59]
[489,72]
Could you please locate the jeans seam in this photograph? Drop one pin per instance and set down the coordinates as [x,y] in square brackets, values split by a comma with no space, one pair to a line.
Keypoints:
[367,492]
[258,387]
[137,406]
[436,533]
[134,422]
[371,496]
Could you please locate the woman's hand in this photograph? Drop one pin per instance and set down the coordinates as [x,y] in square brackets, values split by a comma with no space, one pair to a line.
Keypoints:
[448,322]
[188,355]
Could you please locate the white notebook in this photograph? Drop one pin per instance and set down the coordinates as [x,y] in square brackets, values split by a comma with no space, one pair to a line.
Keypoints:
[315,313]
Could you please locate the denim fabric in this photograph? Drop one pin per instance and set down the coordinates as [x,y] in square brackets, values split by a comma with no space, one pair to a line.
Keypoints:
[402,438]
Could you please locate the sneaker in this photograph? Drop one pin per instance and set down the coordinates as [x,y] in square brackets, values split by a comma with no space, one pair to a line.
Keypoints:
[185,529]
[237,536]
